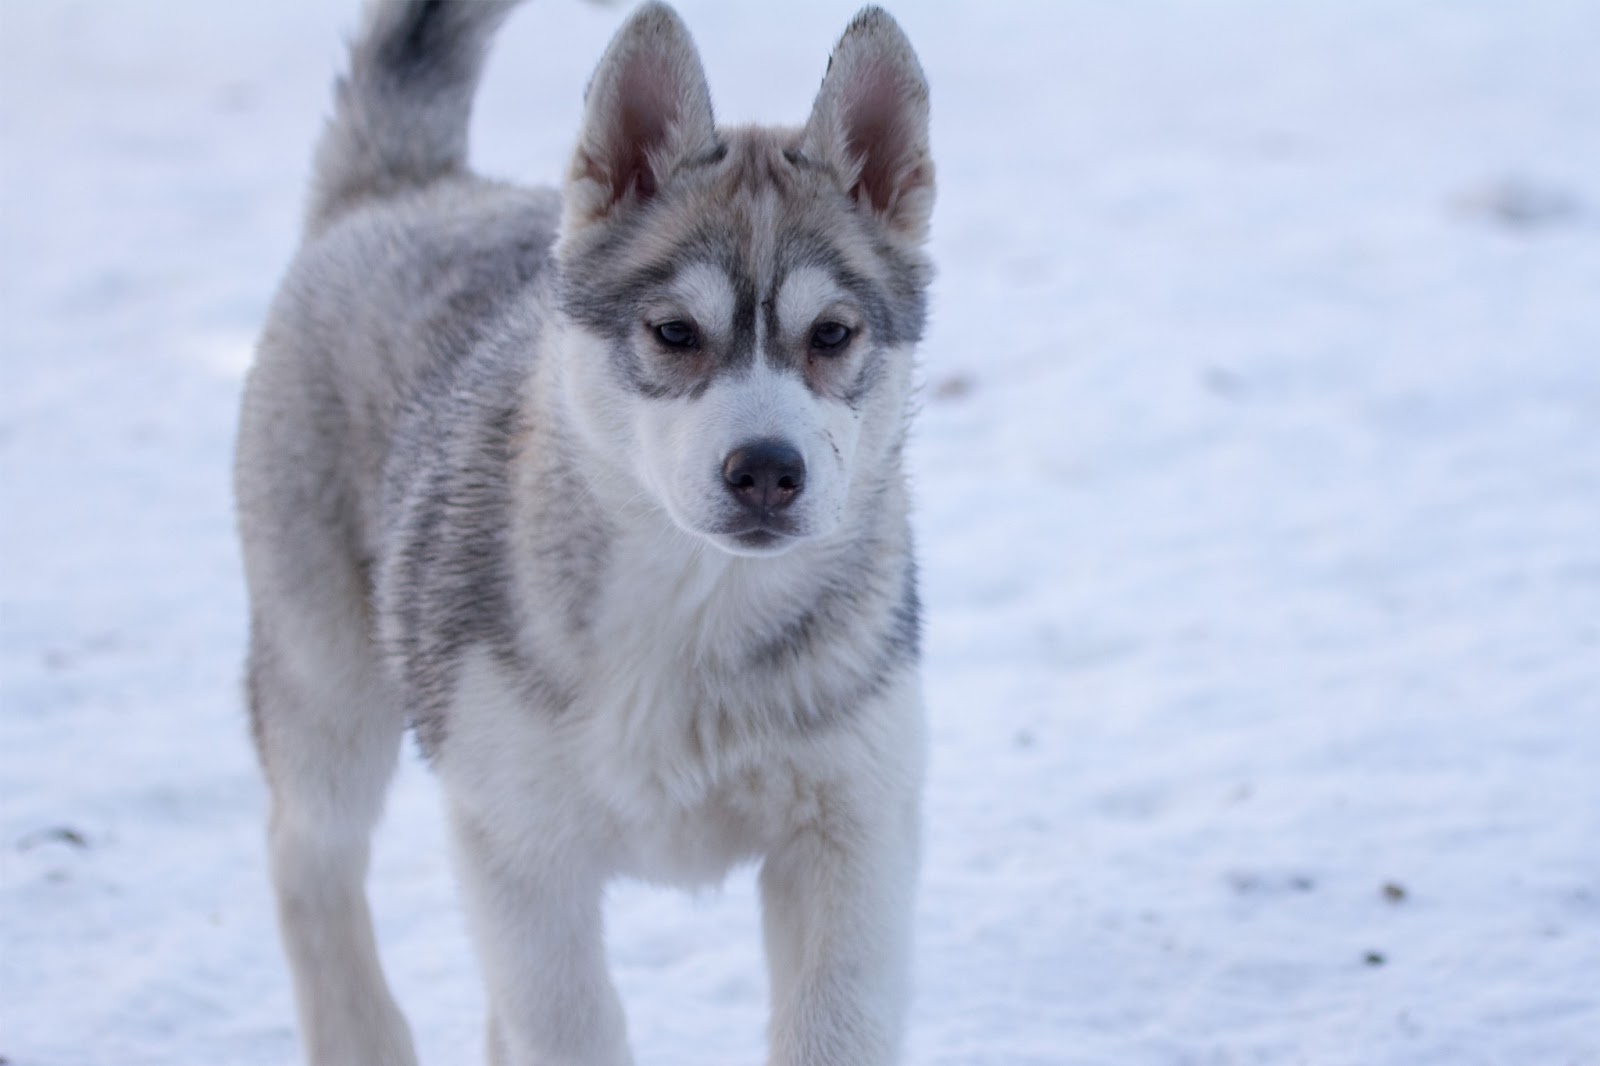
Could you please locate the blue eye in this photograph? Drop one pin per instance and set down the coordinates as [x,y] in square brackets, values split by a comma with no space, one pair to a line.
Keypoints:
[677,334]
[830,338]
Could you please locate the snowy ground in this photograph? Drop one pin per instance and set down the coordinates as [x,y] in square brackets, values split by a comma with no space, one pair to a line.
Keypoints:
[1260,502]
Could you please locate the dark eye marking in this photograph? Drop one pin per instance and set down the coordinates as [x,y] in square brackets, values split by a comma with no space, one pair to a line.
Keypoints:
[830,338]
[678,334]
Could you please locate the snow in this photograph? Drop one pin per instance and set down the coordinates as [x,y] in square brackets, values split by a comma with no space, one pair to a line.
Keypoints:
[1259,482]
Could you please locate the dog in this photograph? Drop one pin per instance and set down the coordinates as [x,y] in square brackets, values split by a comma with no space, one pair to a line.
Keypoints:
[601,492]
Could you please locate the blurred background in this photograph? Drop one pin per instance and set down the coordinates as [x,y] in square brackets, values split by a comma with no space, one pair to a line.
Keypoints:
[1258,472]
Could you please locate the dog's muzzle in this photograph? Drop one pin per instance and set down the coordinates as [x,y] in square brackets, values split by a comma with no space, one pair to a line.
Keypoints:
[766,476]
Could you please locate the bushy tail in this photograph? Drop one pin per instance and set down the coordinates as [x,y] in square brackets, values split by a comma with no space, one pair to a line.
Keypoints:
[400,116]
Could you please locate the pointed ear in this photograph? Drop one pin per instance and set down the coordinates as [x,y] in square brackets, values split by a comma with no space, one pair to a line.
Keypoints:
[646,110]
[870,123]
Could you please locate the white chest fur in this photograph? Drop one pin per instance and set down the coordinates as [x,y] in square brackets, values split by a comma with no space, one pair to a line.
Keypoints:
[667,761]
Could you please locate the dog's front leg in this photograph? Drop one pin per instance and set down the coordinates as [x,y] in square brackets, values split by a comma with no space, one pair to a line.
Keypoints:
[538,931]
[837,902]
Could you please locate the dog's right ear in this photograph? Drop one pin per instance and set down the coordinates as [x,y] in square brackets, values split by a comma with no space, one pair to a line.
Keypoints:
[647,109]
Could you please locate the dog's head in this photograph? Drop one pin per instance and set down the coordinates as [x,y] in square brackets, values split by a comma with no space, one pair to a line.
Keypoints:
[740,305]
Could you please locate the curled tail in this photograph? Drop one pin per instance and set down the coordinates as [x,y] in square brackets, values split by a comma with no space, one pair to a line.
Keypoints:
[400,115]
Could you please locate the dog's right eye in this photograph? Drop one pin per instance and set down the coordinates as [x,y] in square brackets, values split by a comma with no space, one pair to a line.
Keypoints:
[677,334]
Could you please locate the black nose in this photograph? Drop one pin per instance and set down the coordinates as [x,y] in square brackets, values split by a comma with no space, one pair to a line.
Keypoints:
[765,474]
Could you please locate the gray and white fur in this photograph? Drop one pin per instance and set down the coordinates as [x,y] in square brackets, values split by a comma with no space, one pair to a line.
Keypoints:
[602,492]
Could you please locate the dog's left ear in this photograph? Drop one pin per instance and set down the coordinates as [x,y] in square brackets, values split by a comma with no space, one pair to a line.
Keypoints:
[647,109]
[870,123]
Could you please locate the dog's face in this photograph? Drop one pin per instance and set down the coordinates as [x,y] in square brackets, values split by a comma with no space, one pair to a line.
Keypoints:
[740,306]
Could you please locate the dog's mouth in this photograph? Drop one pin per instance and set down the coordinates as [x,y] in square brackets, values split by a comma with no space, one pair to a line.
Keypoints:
[760,540]
[764,536]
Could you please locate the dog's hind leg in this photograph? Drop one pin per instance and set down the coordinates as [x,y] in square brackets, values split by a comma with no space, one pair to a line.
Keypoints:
[328,738]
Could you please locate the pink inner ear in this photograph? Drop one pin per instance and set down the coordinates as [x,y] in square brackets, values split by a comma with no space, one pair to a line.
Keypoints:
[875,125]
[646,110]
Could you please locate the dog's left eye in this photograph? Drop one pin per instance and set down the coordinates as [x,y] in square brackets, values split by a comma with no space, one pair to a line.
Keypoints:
[830,337]
[677,334]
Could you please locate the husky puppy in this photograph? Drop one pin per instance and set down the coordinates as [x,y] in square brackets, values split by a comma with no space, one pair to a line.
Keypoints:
[602,493]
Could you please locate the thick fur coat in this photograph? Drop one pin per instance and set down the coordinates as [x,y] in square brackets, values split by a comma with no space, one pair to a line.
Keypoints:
[602,492]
